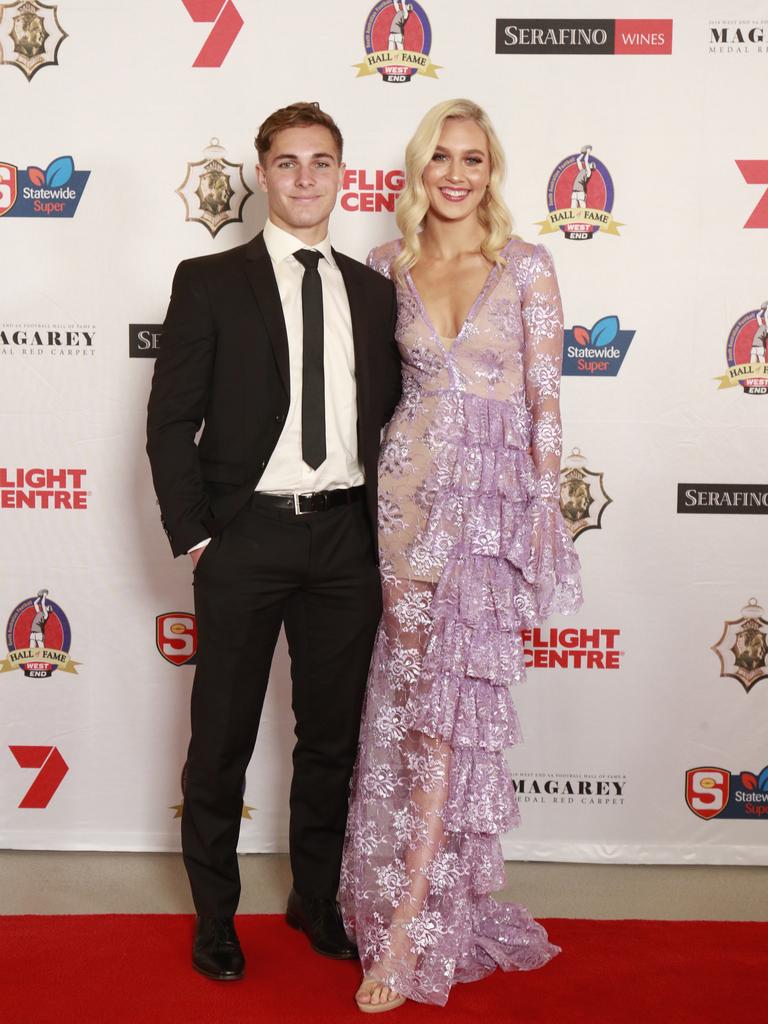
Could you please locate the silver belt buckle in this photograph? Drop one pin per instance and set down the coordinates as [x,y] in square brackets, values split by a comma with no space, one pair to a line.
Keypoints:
[296,506]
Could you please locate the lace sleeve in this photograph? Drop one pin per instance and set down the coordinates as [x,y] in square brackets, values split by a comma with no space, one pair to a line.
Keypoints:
[380,258]
[543,355]
[547,558]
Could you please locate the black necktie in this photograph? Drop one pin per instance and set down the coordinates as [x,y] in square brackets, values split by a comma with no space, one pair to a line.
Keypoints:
[313,373]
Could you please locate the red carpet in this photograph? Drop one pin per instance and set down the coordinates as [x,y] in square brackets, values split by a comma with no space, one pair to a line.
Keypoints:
[121,969]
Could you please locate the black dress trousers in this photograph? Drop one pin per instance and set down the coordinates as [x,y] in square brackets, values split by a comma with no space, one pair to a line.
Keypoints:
[316,574]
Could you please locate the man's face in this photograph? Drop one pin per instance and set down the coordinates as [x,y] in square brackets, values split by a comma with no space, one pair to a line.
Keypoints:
[301,176]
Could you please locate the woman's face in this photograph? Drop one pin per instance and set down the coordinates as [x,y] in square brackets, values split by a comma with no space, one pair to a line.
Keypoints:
[459,170]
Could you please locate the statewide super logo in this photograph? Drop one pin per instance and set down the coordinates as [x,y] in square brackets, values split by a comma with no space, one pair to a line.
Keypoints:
[176,637]
[597,351]
[53,192]
[716,793]
[743,647]
[38,635]
[214,191]
[583,498]
[30,35]
[580,198]
[745,353]
[397,40]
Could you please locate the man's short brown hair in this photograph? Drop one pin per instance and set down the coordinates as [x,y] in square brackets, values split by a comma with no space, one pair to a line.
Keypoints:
[297,115]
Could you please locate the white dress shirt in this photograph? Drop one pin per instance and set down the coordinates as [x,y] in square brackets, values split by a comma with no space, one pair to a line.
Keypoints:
[286,472]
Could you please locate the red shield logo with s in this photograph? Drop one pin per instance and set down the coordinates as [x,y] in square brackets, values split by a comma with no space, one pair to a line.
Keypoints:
[707,791]
[176,637]
[9,189]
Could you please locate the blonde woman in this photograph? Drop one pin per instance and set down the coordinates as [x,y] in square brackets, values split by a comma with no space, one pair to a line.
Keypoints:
[473,549]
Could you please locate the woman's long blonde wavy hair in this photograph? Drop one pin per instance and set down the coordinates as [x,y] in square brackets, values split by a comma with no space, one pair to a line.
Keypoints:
[413,204]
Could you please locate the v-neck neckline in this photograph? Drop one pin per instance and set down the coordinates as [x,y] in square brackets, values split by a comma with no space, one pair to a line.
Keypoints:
[490,280]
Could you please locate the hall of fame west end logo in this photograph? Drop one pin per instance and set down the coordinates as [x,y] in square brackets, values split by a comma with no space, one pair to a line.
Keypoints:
[30,36]
[214,191]
[580,196]
[39,637]
[746,353]
[583,498]
[743,647]
[397,40]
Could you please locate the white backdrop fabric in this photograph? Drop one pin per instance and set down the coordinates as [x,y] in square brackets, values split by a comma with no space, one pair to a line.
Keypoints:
[609,739]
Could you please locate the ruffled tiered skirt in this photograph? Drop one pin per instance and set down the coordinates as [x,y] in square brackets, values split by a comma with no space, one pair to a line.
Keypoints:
[431,792]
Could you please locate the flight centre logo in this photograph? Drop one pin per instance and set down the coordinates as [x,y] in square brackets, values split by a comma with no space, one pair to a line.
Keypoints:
[53,192]
[364,191]
[597,351]
[214,191]
[746,353]
[39,636]
[397,39]
[583,497]
[43,488]
[716,793]
[580,197]
[574,647]
[30,36]
[176,637]
[743,646]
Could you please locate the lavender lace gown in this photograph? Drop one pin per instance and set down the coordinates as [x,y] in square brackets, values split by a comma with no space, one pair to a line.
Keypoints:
[473,549]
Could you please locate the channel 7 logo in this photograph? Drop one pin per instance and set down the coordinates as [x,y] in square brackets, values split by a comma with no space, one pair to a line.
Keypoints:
[226,27]
[52,767]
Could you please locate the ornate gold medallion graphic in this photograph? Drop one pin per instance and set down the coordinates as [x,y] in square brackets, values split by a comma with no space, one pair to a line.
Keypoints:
[214,191]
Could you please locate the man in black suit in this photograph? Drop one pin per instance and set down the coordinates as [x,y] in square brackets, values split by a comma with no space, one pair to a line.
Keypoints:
[284,349]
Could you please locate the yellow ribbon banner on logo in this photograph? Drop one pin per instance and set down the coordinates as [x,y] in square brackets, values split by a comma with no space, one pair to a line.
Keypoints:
[737,373]
[24,655]
[410,59]
[569,218]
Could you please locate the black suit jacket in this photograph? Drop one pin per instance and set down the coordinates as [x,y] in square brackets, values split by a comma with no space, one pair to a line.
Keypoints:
[223,362]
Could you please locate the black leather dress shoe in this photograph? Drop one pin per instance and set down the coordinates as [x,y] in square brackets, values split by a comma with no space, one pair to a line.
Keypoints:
[216,951]
[320,920]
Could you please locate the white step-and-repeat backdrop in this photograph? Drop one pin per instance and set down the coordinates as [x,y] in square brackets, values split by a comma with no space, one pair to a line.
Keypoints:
[127,145]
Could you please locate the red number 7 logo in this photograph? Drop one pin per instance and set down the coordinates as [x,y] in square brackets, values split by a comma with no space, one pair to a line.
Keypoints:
[755,172]
[224,32]
[52,767]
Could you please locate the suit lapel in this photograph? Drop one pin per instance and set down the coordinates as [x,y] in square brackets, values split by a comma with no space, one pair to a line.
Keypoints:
[258,267]
[359,315]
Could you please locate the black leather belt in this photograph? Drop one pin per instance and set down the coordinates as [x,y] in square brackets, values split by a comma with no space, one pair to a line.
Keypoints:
[300,504]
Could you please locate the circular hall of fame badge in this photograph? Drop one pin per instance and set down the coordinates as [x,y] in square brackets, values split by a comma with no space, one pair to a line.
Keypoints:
[397,39]
[746,353]
[580,198]
[39,636]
